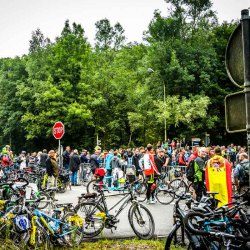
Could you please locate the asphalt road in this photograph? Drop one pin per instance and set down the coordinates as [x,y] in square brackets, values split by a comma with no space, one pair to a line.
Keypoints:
[162,214]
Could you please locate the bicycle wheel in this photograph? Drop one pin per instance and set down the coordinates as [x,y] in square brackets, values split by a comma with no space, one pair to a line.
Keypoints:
[141,221]
[74,223]
[43,203]
[93,216]
[140,190]
[175,237]
[164,196]
[41,239]
[179,187]
[8,231]
[91,188]
[194,222]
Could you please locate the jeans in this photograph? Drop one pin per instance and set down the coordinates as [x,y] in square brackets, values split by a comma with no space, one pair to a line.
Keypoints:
[109,173]
[74,178]
[66,166]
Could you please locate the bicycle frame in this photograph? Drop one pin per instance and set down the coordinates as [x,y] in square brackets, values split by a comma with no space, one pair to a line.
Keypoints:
[41,216]
[102,201]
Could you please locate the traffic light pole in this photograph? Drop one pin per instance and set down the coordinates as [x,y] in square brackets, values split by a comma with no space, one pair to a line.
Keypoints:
[245,22]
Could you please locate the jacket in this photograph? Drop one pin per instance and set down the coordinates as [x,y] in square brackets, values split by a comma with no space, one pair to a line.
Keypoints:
[74,162]
[49,167]
[149,164]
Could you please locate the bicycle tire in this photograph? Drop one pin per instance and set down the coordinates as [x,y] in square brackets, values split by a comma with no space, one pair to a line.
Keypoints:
[190,226]
[141,192]
[171,236]
[43,203]
[179,186]
[136,210]
[8,232]
[90,188]
[71,222]
[162,195]
[41,239]
[141,188]
[88,211]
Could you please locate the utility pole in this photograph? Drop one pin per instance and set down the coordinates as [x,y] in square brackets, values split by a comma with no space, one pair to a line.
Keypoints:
[245,22]
[165,120]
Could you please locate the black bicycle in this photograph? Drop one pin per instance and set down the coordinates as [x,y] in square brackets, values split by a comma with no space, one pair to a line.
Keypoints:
[97,215]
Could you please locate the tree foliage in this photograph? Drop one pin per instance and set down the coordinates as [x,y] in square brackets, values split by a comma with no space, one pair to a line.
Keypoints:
[107,90]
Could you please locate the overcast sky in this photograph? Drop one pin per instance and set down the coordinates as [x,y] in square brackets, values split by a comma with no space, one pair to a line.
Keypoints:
[18,18]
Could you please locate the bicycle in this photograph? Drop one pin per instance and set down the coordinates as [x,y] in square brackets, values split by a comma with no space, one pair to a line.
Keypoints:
[163,193]
[179,235]
[222,227]
[97,215]
[181,185]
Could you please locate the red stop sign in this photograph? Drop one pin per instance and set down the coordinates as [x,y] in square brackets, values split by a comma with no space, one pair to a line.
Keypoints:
[58,130]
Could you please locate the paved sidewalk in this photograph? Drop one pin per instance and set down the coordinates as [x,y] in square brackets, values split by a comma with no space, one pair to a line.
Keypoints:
[162,214]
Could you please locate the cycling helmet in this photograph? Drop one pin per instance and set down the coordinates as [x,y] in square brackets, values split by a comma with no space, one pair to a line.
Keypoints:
[22,223]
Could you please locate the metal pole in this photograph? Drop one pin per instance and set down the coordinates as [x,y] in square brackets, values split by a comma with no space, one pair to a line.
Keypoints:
[165,121]
[245,23]
[59,152]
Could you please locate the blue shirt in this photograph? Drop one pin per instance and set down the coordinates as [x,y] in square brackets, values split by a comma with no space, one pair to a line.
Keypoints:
[108,159]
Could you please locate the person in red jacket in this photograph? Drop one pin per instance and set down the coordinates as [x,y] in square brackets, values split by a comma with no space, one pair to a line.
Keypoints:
[194,154]
[181,160]
[150,170]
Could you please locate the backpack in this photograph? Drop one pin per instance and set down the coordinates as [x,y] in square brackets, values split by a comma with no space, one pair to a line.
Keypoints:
[245,171]
[190,172]
[115,163]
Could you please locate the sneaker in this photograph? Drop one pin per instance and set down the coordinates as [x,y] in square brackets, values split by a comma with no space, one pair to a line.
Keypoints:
[152,201]
[148,201]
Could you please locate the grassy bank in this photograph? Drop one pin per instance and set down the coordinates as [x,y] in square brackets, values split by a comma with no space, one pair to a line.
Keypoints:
[102,245]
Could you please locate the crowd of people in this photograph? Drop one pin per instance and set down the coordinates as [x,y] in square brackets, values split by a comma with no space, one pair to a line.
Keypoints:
[152,160]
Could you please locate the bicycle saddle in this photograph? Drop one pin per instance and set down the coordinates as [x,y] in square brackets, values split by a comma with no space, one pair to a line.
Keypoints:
[89,195]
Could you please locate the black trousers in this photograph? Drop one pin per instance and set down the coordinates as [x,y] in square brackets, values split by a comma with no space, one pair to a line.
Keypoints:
[200,189]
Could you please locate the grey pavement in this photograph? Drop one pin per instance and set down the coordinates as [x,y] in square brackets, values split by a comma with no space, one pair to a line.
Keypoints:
[162,214]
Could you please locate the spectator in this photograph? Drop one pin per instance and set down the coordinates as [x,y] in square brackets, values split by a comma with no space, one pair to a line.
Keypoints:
[199,173]
[94,161]
[43,157]
[22,160]
[219,177]
[74,165]
[109,157]
[52,169]
[181,158]
[161,160]
[32,160]
[194,154]
[241,173]
[135,161]
[66,158]
[83,157]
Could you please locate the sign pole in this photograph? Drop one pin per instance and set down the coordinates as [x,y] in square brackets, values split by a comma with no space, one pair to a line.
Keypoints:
[59,142]
[245,21]
[58,132]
